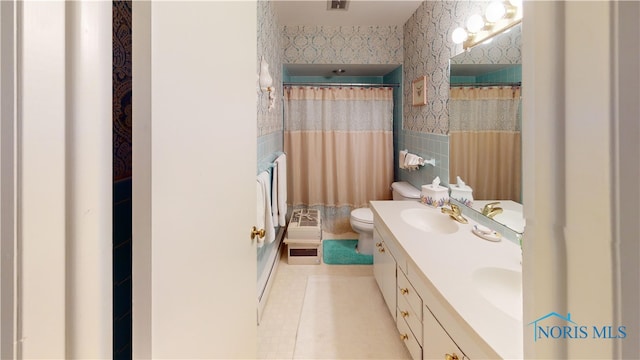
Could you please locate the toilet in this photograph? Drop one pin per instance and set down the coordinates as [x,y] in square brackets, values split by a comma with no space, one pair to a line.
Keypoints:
[362,219]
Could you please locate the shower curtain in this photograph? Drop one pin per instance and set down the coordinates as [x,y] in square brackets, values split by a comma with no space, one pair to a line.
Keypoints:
[339,141]
[485,140]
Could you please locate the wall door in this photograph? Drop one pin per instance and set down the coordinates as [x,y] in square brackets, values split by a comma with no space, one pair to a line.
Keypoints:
[194,191]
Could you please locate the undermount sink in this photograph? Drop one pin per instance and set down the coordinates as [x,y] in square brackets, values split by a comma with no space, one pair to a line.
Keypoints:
[502,288]
[512,219]
[429,221]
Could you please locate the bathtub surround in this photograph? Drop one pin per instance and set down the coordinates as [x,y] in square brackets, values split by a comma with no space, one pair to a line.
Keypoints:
[339,143]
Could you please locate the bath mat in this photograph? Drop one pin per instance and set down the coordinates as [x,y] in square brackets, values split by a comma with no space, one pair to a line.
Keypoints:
[345,317]
[343,252]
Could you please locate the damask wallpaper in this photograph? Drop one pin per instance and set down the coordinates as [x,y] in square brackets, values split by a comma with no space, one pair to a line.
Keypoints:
[121,82]
[342,44]
[269,46]
[427,49]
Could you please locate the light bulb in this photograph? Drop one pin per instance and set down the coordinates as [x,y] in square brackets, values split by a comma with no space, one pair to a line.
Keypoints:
[459,35]
[495,11]
[475,23]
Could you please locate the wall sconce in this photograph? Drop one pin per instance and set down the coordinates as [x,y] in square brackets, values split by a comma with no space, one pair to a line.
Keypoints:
[266,82]
[499,16]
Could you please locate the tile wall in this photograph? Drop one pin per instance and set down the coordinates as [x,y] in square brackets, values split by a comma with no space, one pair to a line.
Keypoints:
[510,75]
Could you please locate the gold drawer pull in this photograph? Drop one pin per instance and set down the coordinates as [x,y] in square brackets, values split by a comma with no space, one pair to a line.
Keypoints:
[405,337]
[378,244]
[381,249]
[453,356]
[404,313]
[404,291]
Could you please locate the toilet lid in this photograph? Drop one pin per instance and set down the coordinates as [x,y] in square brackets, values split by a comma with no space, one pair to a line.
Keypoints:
[364,215]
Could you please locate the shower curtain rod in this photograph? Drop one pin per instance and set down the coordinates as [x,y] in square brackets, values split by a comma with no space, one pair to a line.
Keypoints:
[487,84]
[341,84]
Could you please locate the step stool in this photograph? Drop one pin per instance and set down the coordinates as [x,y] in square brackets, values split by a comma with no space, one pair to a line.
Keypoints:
[304,238]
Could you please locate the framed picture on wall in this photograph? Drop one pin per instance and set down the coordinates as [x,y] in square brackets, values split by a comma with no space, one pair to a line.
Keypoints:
[419,91]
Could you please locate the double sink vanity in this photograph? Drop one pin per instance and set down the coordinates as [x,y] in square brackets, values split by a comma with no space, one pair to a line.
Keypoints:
[452,294]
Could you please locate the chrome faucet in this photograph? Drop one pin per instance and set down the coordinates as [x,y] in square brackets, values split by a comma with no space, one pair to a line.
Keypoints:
[454,213]
[491,209]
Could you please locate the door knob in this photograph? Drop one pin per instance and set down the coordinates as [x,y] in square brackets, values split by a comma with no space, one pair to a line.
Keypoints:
[255,232]
[453,356]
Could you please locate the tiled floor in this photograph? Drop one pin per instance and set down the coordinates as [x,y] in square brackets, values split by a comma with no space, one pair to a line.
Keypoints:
[281,320]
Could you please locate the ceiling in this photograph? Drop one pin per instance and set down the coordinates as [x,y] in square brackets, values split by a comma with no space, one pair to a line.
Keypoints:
[359,12]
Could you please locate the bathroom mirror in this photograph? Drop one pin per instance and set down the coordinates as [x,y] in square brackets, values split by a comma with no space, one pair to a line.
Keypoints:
[484,128]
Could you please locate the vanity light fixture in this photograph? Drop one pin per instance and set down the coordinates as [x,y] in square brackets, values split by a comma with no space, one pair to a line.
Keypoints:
[459,35]
[475,23]
[499,17]
[266,82]
[495,11]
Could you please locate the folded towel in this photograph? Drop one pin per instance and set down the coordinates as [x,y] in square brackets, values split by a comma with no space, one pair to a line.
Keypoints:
[260,208]
[412,160]
[402,159]
[265,216]
[274,193]
[281,168]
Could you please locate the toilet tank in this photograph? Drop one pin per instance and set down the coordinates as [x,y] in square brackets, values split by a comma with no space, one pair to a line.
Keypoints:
[402,190]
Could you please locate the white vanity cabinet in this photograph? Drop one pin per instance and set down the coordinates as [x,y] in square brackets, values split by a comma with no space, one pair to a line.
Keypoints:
[417,327]
[442,310]
[384,270]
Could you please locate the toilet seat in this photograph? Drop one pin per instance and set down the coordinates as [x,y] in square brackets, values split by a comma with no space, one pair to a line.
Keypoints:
[363,215]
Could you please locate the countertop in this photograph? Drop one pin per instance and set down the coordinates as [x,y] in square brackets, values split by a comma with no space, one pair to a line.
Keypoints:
[449,261]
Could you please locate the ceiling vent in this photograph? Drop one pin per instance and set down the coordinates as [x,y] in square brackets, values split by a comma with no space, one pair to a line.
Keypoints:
[337,5]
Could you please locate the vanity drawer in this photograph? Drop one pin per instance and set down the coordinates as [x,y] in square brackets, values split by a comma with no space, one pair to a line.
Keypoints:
[409,293]
[436,340]
[412,319]
[392,244]
[409,340]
